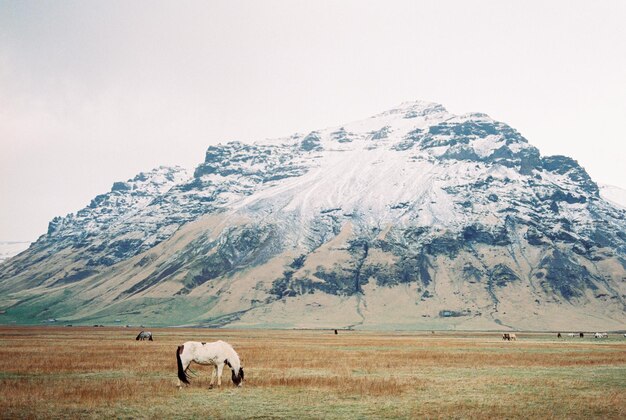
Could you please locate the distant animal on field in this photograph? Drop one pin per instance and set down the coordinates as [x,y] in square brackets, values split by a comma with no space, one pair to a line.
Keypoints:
[144,335]
[571,335]
[601,335]
[581,335]
[509,337]
[558,335]
[513,337]
[216,354]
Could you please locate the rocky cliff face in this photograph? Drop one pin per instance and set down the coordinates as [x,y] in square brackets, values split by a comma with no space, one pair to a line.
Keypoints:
[413,218]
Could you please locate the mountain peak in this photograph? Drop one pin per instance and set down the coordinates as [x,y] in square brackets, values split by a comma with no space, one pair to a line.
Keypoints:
[416,108]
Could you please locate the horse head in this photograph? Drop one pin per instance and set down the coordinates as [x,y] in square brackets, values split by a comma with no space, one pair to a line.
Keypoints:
[238,378]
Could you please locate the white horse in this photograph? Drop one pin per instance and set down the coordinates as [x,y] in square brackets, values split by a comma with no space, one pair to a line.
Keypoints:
[216,354]
[571,335]
[601,335]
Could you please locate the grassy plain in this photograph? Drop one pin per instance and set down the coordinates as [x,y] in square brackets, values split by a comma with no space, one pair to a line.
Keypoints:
[57,372]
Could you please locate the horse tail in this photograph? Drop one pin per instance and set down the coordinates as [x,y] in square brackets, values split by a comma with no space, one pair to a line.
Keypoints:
[181,372]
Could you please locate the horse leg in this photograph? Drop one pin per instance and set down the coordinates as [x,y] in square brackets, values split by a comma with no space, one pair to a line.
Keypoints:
[212,376]
[220,368]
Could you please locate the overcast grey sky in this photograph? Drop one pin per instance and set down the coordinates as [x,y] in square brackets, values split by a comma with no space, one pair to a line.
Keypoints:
[95,92]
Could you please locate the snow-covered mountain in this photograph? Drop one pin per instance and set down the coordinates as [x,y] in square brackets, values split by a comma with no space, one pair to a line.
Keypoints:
[10,249]
[413,218]
[614,195]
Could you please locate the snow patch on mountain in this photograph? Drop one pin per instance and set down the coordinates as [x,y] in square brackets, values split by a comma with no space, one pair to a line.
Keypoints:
[613,194]
[9,249]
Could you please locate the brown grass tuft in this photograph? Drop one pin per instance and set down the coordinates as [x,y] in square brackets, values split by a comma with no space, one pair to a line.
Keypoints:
[377,387]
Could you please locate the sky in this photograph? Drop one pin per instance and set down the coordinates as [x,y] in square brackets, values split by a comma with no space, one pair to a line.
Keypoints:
[93,92]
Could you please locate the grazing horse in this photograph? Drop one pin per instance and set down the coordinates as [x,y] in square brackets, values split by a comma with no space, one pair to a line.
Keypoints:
[558,335]
[216,354]
[571,335]
[513,337]
[144,335]
[506,336]
[581,335]
[601,335]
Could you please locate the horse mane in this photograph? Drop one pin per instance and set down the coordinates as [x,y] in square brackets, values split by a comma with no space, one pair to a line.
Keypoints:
[234,363]
[233,360]
[139,335]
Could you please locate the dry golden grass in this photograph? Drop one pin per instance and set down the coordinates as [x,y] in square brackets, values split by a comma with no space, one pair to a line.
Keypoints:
[104,372]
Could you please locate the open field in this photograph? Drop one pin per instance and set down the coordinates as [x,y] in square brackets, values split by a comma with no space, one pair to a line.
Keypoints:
[104,372]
